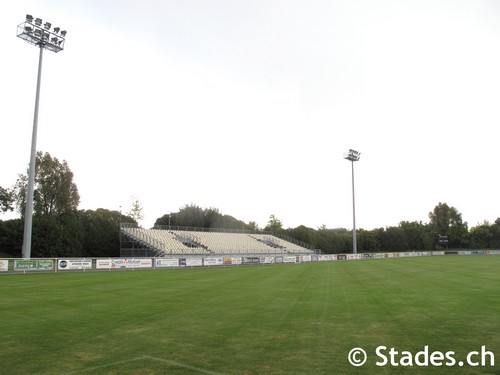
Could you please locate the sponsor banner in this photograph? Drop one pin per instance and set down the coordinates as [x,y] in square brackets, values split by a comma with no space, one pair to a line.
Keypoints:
[193,262]
[465,252]
[409,254]
[130,263]
[237,260]
[368,256]
[74,264]
[4,265]
[102,264]
[213,261]
[341,257]
[278,259]
[162,262]
[327,257]
[493,252]
[314,258]
[438,253]
[305,258]
[353,256]
[34,265]
[479,252]
[251,260]
[228,261]
[267,260]
[289,259]
[379,255]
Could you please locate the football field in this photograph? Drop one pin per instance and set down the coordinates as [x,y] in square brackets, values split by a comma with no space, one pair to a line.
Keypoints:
[274,319]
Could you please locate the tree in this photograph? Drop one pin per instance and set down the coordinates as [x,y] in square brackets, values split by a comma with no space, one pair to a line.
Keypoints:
[447,221]
[11,237]
[370,241]
[418,235]
[102,232]
[6,200]
[393,239]
[55,192]
[252,225]
[136,210]
[495,234]
[480,236]
[274,225]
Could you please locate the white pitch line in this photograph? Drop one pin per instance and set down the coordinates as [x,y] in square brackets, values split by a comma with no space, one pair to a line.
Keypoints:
[182,365]
[167,361]
[104,366]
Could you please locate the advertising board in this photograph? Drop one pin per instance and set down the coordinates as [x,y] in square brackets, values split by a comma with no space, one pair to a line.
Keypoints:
[164,262]
[128,263]
[305,258]
[33,265]
[213,261]
[289,259]
[4,265]
[74,264]
[194,262]
[327,257]
[267,260]
[251,260]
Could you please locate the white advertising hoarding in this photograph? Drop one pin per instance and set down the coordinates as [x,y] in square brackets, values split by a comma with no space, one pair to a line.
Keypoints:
[194,262]
[305,258]
[4,265]
[327,257]
[162,262]
[124,263]
[213,261]
[74,264]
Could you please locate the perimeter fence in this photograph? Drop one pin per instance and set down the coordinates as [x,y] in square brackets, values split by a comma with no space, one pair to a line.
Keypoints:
[19,266]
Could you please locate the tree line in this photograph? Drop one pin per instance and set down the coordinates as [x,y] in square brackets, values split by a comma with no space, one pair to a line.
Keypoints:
[60,229]
[444,220]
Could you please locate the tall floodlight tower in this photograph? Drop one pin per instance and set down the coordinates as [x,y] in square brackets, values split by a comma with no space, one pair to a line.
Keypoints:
[353,156]
[44,37]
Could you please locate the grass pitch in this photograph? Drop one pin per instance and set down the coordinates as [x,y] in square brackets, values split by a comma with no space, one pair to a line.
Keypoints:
[282,319]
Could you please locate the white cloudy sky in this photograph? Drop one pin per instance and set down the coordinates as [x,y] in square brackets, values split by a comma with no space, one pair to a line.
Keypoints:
[249,106]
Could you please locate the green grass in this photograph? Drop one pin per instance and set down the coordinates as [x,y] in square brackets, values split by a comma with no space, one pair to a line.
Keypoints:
[283,319]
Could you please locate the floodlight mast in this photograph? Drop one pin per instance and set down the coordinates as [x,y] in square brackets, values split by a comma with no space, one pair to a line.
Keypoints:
[32,31]
[353,156]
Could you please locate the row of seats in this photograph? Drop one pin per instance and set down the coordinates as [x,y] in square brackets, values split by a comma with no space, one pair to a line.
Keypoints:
[193,242]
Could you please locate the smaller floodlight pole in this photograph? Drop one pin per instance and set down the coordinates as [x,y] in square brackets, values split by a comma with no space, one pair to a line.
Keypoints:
[41,36]
[353,156]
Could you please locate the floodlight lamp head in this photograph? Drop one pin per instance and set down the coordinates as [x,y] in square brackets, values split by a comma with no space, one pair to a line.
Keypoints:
[41,34]
[352,155]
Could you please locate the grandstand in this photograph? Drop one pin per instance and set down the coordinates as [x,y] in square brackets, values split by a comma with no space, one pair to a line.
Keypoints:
[161,242]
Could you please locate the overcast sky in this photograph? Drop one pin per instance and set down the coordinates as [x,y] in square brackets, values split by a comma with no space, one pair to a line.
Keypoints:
[249,106]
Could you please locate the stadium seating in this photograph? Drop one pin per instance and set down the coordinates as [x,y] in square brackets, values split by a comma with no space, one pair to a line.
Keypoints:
[192,242]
